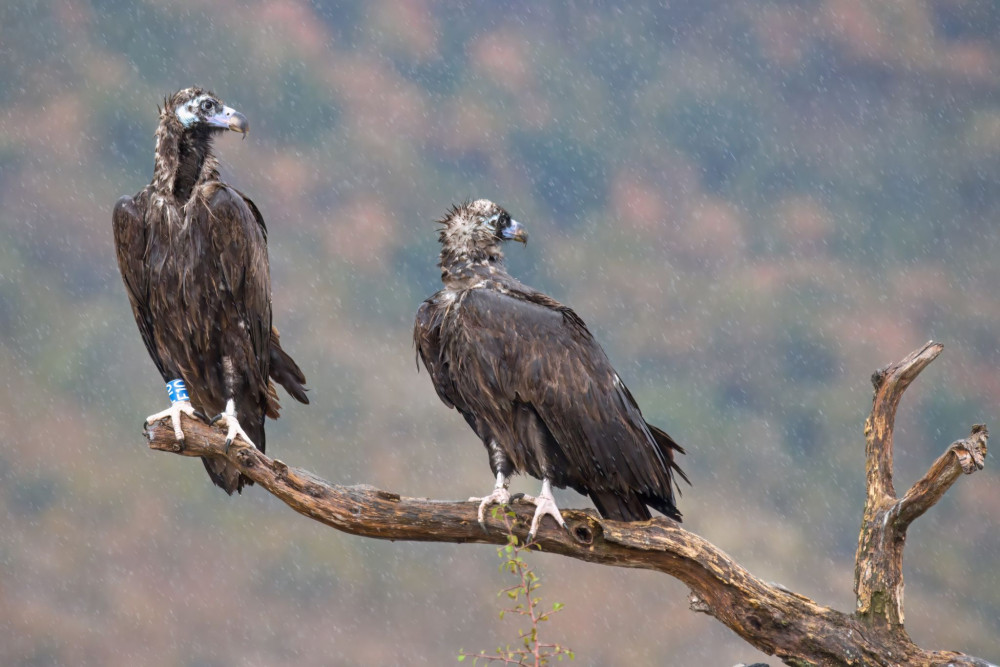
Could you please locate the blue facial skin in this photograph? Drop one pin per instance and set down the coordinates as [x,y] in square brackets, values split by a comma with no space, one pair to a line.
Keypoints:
[225,118]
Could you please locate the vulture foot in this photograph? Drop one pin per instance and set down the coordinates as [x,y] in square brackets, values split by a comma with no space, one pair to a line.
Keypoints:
[174,412]
[544,504]
[499,496]
[229,420]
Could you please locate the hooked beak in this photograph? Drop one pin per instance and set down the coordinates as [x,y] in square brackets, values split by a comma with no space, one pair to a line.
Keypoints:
[230,119]
[515,231]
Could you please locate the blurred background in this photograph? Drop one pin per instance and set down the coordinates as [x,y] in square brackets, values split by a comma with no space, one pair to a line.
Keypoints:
[753,205]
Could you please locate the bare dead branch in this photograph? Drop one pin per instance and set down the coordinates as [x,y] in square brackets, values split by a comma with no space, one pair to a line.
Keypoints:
[771,618]
[878,573]
[964,456]
[890,383]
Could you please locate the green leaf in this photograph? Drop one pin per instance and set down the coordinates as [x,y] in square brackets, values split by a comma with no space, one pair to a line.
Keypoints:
[556,606]
[461,657]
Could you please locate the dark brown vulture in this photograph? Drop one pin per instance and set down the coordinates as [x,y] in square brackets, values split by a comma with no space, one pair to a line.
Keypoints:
[533,383]
[193,254]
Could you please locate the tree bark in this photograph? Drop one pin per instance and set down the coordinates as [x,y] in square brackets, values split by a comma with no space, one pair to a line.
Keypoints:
[771,618]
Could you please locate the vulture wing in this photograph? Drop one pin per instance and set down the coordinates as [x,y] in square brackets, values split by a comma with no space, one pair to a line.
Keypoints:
[238,241]
[427,339]
[531,351]
[283,368]
[130,229]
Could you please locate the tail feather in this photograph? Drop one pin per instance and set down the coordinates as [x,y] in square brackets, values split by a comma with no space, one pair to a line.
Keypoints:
[227,476]
[286,372]
[665,506]
[620,506]
[632,506]
[667,448]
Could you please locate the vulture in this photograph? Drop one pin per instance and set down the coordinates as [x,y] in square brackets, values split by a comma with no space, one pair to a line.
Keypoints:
[529,378]
[192,252]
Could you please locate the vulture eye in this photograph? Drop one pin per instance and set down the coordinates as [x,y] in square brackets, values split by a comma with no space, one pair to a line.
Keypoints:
[504,221]
[207,105]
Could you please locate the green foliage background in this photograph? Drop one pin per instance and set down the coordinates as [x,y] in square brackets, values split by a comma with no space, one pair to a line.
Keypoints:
[752,204]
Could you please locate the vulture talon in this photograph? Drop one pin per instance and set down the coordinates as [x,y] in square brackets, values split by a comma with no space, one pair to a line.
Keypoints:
[545,504]
[500,496]
[229,420]
[174,412]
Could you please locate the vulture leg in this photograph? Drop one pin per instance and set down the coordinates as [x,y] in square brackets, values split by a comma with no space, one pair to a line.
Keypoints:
[174,412]
[229,420]
[500,495]
[544,504]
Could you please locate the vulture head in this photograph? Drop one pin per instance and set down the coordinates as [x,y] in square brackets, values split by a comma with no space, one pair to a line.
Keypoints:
[188,121]
[198,111]
[474,231]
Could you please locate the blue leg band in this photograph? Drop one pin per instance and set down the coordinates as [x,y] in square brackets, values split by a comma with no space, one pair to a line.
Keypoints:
[177,391]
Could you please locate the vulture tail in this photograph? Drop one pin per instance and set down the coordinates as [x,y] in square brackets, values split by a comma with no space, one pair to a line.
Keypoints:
[620,506]
[286,372]
[664,503]
[224,474]
[667,447]
[631,505]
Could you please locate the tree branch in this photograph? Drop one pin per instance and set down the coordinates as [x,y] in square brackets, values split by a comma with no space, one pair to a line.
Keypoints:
[771,618]
[890,383]
[964,456]
[878,573]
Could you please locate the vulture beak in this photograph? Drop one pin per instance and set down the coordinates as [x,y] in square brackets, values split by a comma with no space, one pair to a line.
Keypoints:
[230,119]
[515,232]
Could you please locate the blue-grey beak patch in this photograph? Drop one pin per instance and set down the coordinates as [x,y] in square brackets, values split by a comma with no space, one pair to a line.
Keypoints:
[515,231]
[230,119]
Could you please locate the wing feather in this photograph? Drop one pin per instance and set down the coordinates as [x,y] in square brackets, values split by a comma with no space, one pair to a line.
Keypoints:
[438,359]
[130,232]
[239,241]
[531,349]
[427,340]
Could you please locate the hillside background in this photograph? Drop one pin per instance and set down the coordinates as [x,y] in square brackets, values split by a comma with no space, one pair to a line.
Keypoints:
[752,204]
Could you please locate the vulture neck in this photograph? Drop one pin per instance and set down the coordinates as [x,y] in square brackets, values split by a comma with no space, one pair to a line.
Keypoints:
[461,269]
[183,161]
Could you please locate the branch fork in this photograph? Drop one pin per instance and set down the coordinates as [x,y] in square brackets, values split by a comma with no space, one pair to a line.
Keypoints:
[878,574]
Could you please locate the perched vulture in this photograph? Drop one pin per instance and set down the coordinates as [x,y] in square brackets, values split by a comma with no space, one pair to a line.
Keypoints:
[533,383]
[193,254]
